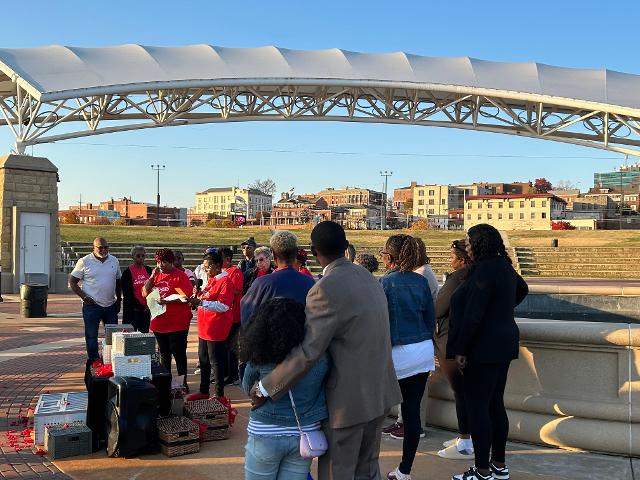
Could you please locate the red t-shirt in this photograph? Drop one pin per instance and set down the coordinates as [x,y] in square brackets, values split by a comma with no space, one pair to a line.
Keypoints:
[139,277]
[178,315]
[305,271]
[215,326]
[237,279]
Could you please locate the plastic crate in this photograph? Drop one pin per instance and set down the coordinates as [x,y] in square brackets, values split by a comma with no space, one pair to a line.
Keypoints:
[68,440]
[112,328]
[138,366]
[178,436]
[58,408]
[134,343]
[213,414]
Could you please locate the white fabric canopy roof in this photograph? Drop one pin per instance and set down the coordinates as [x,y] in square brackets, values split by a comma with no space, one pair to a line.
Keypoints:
[58,72]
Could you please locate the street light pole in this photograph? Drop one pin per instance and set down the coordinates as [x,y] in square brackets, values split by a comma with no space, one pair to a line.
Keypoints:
[157,169]
[383,222]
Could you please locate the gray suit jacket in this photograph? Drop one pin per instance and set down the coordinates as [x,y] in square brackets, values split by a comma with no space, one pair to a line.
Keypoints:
[347,316]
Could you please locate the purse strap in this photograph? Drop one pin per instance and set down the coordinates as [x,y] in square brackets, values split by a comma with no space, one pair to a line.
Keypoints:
[295,413]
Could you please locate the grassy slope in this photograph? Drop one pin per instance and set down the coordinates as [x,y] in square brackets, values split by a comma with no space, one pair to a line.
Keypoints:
[363,238]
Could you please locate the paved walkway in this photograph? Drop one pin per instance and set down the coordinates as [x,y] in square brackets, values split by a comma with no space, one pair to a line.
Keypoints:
[39,355]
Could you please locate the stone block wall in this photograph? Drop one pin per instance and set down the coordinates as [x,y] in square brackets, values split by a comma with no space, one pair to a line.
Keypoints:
[26,182]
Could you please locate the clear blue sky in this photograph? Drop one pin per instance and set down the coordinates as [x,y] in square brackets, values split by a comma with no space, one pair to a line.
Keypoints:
[570,33]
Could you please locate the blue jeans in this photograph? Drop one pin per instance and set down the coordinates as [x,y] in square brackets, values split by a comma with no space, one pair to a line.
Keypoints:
[275,458]
[92,315]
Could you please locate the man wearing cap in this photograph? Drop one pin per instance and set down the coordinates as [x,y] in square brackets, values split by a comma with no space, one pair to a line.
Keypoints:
[248,262]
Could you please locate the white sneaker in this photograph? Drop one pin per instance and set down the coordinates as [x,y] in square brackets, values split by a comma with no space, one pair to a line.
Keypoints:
[472,474]
[397,475]
[448,443]
[452,453]
[499,473]
[196,371]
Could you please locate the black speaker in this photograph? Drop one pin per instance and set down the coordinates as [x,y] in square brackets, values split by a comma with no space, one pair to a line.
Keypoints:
[161,379]
[132,415]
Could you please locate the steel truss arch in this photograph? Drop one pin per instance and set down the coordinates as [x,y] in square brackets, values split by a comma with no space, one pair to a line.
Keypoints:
[55,93]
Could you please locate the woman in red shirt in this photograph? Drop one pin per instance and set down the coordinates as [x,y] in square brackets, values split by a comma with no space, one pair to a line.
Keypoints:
[134,305]
[236,278]
[215,317]
[301,262]
[172,327]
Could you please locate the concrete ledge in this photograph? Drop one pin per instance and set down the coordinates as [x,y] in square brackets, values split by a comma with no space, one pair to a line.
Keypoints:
[565,306]
[586,289]
[575,385]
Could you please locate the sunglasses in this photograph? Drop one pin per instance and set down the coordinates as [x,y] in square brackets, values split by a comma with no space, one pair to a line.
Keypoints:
[101,247]
[139,255]
[382,252]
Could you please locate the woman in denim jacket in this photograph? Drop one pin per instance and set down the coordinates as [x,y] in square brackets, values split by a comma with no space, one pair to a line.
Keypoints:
[273,446]
[411,320]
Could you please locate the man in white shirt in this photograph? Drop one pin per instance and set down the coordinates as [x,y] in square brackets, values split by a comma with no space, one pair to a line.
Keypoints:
[96,280]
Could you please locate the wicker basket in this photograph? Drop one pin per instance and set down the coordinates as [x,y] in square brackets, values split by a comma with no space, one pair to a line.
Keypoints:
[211,413]
[178,436]
[131,366]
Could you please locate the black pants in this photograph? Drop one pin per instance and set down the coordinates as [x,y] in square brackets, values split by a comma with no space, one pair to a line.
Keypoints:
[173,343]
[212,355]
[484,398]
[412,389]
[232,346]
[140,319]
[455,379]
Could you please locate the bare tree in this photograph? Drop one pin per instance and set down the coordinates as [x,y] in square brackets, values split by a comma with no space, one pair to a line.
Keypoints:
[267,185]
[565,185]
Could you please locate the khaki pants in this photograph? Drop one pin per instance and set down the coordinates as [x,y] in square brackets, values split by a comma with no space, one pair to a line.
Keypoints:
[353,452]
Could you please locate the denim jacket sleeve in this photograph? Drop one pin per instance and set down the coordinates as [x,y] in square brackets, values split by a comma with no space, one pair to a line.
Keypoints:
[251,376]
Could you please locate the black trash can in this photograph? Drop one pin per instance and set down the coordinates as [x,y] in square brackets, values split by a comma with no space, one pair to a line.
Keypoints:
[554,242]
[33,300]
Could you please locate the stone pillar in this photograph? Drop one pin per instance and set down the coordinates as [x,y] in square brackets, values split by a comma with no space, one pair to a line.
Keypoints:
[27,184]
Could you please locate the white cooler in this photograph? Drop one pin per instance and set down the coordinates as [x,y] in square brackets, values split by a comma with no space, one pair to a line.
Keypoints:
[58,408]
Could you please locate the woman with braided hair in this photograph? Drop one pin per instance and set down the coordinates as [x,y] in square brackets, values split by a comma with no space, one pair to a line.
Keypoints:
[171,327]
[483,340]
[411,321]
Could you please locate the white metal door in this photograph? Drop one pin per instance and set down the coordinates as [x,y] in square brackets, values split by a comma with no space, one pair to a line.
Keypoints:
[35,232]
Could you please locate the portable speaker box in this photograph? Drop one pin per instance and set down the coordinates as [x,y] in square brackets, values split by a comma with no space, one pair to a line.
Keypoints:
[69,440]
[111,328]
[135,343]
[132,416]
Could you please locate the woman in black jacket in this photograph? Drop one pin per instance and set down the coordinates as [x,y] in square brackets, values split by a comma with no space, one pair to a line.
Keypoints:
[483,340]
[460,447]
[134,306]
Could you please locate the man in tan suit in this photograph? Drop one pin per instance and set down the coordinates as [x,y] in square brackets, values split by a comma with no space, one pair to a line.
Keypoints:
[347,316]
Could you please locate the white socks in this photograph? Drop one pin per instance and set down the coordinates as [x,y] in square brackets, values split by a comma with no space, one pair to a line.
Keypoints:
[464,444]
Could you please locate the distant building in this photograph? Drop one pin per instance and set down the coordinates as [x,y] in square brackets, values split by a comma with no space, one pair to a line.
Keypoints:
[291,210]
[226,202]
[436,200]
[514,212]
[625,177]
[505,188]
[351,196]
[568,196]
[361,218]
[402,195]
[133,213]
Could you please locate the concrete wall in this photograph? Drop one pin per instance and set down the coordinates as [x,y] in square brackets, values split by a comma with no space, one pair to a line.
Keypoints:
[575,385]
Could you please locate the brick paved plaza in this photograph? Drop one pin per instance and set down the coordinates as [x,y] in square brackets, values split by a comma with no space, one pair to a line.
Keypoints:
[39,355]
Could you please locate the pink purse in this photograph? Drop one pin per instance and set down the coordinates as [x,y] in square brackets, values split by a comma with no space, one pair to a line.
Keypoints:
[312,444]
